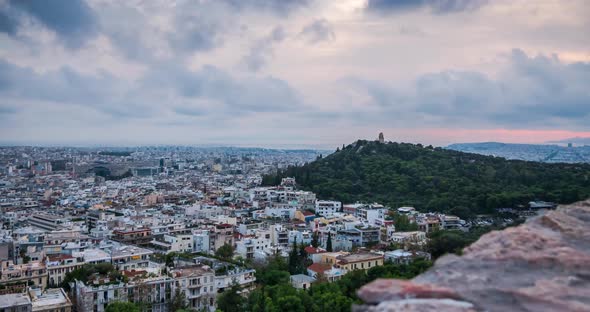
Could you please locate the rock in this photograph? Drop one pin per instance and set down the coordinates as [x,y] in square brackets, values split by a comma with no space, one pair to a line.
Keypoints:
[421,305]
[390,289]
[542,265]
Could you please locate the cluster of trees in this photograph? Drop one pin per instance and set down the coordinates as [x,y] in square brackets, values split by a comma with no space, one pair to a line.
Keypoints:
[453,241]
[298,261]
[436,179]
[275,292]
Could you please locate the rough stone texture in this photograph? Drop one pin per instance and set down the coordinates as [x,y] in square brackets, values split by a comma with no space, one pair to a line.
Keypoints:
[542,265]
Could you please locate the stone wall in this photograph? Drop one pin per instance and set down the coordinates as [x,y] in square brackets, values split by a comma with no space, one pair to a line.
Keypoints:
[541,265]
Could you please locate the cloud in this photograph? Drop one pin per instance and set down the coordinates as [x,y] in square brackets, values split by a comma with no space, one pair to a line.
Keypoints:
[9,24]
[208,91]
[73,21]
[215,91]
[199,26]
[262,49]
[538,91]
[104,92]
[6,109]
[318,31]
[435,6]
[282,7]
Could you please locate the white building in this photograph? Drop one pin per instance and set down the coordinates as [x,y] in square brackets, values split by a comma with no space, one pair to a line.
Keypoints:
[327,208]
[255,247]
[201,241]
[175,243]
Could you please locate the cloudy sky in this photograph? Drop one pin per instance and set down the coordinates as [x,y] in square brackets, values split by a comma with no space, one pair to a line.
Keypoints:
[289,73]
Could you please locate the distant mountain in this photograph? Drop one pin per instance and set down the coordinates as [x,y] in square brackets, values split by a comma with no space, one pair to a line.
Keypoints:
[575,141]
[440,179]
[531,152]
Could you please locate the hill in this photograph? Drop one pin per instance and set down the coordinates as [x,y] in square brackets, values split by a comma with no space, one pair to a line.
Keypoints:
[436,179]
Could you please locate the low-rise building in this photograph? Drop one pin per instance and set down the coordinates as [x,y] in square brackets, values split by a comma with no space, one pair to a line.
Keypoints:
[15,303]
[51,300]
[301,281]
[359,261]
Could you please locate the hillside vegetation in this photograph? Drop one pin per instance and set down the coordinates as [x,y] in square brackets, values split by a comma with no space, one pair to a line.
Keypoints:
[436,179]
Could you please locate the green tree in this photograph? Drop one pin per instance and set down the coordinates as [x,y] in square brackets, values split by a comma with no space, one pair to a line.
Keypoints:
[231,300]
[225,252]
[315,239]
[403,224]
[442,242]
[290,303]
[294,258]
[329,243]
[178,301]
[122,307]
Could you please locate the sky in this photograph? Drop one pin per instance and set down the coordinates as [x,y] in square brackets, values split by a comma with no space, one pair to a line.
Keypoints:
[293,73]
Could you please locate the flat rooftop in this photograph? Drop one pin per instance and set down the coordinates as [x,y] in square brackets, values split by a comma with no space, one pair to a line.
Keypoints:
[51,297]
[11,300]
[359,257]
[128,250]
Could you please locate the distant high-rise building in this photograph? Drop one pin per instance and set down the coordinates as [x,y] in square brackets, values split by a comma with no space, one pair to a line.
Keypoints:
[381,138]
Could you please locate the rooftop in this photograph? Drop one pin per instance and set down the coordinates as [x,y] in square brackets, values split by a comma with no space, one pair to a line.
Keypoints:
[11,300]
[128,250]
[359,257]
[193,270]
[51,297]
[319,267]
[302,278]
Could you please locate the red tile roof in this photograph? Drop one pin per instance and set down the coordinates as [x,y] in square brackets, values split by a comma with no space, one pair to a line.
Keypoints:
[312,250]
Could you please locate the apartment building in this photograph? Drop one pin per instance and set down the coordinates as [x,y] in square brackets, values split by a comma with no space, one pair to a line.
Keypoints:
[197,282]
[127,257]
[31,274]
[60,265]
[327,208]
[139,236]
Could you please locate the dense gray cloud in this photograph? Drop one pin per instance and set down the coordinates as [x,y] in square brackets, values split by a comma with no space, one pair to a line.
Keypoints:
[209,83]
[165,82]
[318,31]
[278,6]
[8,21]
[73,21]
[532,91]
[436,6]
[262,49]
[104,92]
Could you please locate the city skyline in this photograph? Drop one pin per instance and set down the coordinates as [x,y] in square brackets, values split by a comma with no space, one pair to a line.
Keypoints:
[302,73]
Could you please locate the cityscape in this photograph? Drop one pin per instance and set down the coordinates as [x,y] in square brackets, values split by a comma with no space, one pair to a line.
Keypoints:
[294,156]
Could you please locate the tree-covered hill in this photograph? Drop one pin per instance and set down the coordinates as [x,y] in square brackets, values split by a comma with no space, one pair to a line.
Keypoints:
[436,179]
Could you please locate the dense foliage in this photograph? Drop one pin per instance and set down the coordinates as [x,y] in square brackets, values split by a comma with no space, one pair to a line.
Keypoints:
[436,179]
[453,241]
[275,292]
[88,271]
